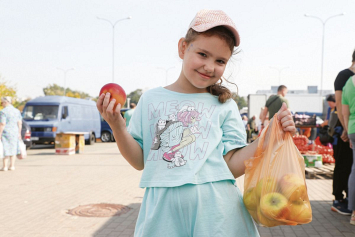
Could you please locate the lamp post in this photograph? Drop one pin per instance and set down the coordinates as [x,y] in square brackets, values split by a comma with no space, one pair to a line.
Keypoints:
[323,22]
[166,73]
[65,75]
[280,70]
[113,41]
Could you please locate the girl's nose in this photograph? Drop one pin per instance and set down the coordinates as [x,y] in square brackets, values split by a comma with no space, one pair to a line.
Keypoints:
[208,67]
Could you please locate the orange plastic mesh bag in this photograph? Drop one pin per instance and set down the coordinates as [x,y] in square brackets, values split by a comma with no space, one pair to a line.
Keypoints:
[275,191]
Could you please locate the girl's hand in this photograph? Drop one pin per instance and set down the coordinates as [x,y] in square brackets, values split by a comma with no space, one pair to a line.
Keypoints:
[285,117]
[111,116]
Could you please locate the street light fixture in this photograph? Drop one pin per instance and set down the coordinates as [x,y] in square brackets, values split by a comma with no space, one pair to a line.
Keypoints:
[166,73]
[65,75]
[280,70]
[323,22]
[113,41]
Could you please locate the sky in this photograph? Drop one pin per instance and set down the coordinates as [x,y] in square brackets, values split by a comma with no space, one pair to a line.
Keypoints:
[39,36]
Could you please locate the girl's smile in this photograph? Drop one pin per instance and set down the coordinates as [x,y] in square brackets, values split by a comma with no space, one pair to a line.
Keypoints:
[204,75]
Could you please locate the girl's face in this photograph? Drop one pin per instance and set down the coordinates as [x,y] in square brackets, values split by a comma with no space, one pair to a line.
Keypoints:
[204,62]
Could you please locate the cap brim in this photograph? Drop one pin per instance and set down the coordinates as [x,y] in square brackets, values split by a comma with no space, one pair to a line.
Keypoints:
[205,27]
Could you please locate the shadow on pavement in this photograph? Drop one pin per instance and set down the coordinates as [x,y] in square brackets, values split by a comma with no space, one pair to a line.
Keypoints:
[36,147]
[123,224]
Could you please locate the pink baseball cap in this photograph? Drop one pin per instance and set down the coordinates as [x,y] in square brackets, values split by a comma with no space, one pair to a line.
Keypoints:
[207,19]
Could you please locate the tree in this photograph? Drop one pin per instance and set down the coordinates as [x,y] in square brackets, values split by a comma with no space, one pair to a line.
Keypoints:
[135,95]
[58,90]
[239,100]
[7,90]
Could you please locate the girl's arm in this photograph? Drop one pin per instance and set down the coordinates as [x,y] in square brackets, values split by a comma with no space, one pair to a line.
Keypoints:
[235,158]
[129,148]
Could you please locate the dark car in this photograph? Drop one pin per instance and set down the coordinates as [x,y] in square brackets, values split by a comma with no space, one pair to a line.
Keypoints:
[106,131]
[26,134]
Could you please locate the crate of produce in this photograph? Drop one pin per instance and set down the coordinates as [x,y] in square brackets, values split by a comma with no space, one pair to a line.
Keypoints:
[313,160]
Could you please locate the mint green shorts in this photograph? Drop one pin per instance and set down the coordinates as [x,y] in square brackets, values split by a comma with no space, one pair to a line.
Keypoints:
[210,209]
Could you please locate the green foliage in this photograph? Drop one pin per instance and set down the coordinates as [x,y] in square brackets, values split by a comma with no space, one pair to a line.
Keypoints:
[21,104]
[58,90]
[135,95]
[239,100]
[7,90]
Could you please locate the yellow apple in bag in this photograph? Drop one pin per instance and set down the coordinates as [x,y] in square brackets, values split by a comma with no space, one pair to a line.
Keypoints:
[274,205]
[300,212]
[251,201]
[263,220]
[293,187]
[266,185]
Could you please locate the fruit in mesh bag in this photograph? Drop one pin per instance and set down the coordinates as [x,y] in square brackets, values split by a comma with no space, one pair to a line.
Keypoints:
[251,201]
[293,187]
[300,212]
[274,205]
[266,185]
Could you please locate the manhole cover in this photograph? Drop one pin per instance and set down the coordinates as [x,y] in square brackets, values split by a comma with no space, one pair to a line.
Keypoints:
[99,210]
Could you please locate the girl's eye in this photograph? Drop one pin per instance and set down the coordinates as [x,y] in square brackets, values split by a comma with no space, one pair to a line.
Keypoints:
[221,62]
[202,54]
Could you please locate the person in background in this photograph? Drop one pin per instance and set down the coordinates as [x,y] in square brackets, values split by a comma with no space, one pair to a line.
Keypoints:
[342,153]
[331,102]
[273,104]
[128,113]
[252,128]
[245,120]
[348,108]
[10,132]
[266,120]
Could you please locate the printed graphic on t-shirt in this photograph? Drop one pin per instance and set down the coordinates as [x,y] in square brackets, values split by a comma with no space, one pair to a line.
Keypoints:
[176,131]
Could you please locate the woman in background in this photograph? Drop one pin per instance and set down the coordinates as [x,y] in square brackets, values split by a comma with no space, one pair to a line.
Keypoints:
[10,132]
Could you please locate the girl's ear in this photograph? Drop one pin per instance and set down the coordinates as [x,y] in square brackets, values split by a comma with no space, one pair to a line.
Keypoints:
[182,47]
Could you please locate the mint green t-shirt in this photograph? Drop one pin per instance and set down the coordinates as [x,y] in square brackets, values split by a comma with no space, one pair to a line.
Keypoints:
[348,98]
[185,136]
[128,116]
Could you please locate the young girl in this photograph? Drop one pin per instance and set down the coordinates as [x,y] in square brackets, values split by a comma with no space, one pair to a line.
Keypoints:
[190,140]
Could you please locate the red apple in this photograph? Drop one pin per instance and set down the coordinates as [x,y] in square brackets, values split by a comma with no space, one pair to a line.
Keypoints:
[116,92]
[293,187]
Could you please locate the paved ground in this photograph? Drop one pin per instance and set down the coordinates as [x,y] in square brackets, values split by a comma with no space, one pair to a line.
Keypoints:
[35,197]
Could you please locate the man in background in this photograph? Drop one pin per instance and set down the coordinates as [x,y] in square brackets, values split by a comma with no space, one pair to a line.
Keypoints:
[273,104]
[128,113]
[342,152]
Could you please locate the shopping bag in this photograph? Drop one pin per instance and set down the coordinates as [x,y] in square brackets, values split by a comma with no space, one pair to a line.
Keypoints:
[275,191]
[22,148]
[1,150]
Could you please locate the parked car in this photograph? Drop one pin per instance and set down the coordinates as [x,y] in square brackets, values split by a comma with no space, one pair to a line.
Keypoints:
[26,134]
[48,115]
[106,131]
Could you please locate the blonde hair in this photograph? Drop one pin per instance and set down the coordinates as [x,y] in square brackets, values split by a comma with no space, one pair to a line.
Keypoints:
[6,99]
